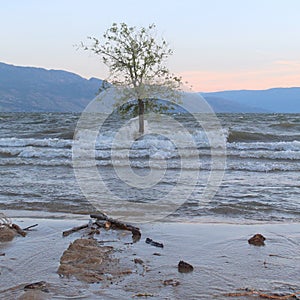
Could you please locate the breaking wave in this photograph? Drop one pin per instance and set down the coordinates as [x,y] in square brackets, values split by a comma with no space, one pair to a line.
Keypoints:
[246,136]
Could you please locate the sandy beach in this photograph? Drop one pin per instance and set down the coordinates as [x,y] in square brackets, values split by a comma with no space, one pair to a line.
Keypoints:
[223,260]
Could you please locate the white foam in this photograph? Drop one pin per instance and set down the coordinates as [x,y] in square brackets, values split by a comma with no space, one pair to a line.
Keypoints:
[270,154]
[294,145]
[32,152]
[48,142]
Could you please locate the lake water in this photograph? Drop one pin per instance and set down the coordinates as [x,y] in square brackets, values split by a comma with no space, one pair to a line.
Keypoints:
[259,166]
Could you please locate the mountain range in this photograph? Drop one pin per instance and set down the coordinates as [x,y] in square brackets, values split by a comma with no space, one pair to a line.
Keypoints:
[284,100]
[30,89]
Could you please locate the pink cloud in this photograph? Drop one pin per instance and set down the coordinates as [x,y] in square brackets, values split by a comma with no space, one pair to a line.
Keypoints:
[280,73]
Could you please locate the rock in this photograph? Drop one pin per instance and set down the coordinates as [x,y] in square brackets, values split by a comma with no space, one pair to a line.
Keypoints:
[6,233]
[153,243]
[184,267]
[83,259]
[34,295]
[138,261]
[257,240]
[86,260]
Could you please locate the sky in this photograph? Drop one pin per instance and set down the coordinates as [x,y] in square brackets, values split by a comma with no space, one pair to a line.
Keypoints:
[218,44]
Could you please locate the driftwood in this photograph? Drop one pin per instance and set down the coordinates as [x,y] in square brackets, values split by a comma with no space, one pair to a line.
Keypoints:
[74,229]
[4,220]
[263,295]
[103,221]
[143,295]
[153,243]
[9,231]
[6,225]
[136,233]
[19,230]
[29,227]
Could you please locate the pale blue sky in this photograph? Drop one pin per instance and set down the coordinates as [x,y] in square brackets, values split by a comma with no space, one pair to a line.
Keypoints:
[218,44]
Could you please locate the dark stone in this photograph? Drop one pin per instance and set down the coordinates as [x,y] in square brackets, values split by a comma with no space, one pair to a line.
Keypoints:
[257,240]
[138,261]
[184,267]
[153,243]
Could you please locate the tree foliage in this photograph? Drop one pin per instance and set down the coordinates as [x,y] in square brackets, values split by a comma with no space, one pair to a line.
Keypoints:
[136,61]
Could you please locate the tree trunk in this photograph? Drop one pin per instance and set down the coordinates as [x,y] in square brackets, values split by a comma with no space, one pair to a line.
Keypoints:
[141,116]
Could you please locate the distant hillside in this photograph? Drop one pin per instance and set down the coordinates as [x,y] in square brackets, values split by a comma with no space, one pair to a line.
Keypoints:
[222,105]
[40,90]
[284,100]
[37,89]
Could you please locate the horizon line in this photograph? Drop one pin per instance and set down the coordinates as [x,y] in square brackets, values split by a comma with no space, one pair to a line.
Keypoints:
[198,91]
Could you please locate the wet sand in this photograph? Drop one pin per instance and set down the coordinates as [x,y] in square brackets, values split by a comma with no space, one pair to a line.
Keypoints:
[223,260]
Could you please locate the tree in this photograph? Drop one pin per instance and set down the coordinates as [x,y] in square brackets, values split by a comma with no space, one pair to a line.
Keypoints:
[136,61]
